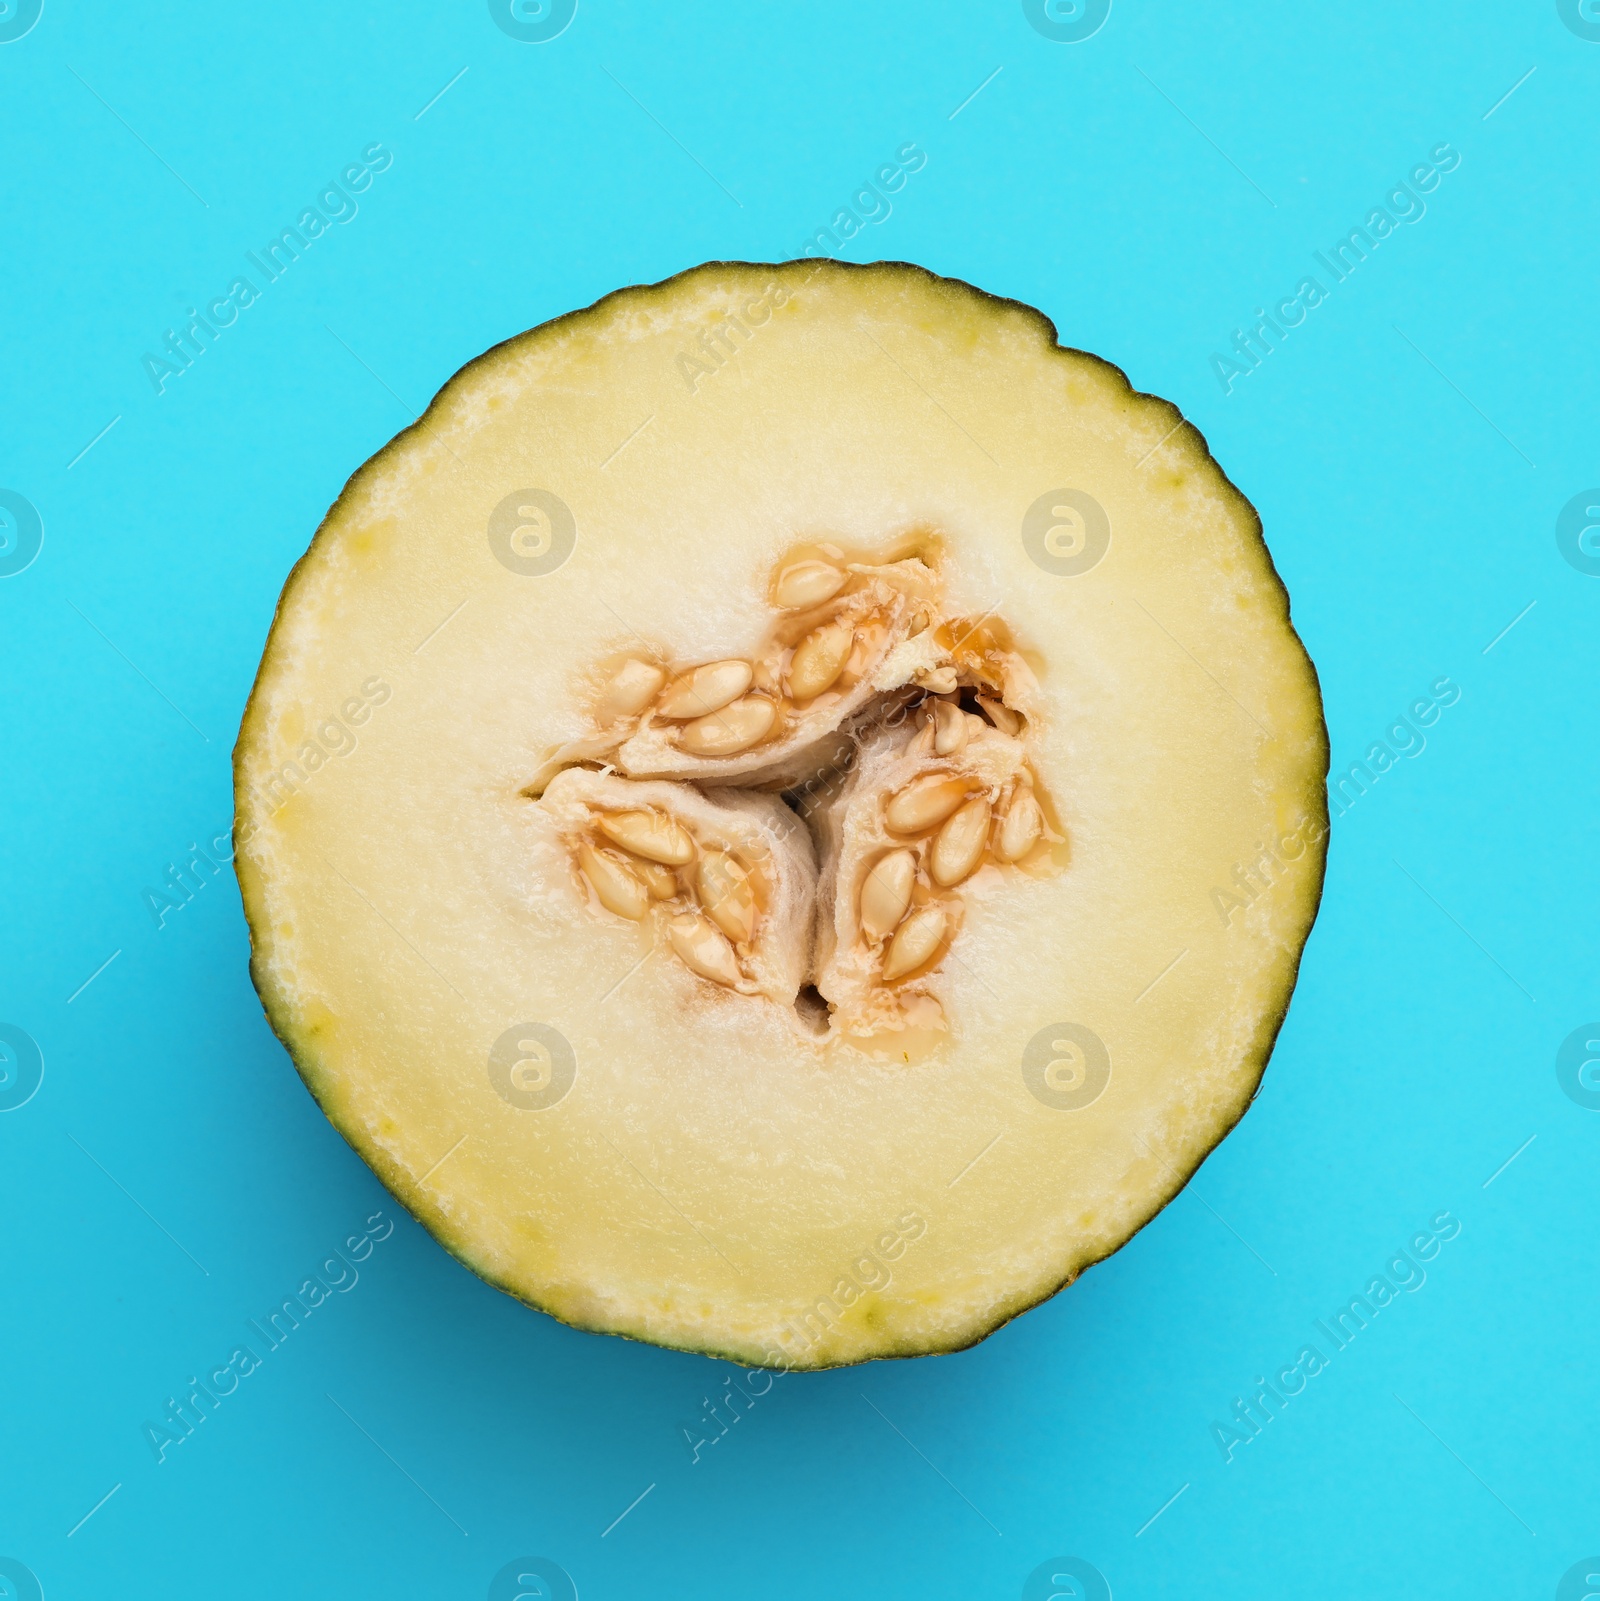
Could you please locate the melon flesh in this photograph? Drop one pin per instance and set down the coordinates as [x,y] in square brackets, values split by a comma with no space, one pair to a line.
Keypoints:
[737,1173]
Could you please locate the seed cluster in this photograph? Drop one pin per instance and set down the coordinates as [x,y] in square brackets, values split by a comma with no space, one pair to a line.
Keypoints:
[942,826]
[650,857]
[843,634]
[859,655]
[834,633]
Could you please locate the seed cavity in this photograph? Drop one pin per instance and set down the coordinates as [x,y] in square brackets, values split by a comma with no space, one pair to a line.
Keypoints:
[652,835]
[960,843]
[728,895]
[924,802]
[819,659]
[705,689]
[616,886]
[919,937]
[886,893]
[735,728]
[806,584]
[630,689]
[703,949]
[928,802]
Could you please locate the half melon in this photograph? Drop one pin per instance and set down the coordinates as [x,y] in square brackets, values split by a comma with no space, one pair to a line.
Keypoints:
[781,817]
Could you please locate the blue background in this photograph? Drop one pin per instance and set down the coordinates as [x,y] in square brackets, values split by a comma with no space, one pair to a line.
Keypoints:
[1409,447]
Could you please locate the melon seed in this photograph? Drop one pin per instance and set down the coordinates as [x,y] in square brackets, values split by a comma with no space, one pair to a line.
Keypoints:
[924,802]
[949,728]
[727,894]
[960,843]
[807,583]
[703,949]
[886,893]
[652,835]
[731,730]
[1022,826]
[631,688]
[819,659]
[705,689]
[1001,715]
[661,881]
[617,887]
[916,942]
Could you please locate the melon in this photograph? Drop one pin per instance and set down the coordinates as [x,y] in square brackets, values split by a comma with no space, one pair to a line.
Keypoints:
[781,817]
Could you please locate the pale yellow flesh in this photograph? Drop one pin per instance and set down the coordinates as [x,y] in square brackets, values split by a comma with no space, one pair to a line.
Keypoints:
[713,1175]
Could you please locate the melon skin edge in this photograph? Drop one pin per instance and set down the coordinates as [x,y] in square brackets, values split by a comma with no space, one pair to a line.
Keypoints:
[299,1040]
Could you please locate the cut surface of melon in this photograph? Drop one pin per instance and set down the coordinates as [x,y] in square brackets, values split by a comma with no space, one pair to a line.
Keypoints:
[781,818]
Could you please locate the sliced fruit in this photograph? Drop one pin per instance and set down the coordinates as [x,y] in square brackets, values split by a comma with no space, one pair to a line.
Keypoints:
[847,859]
